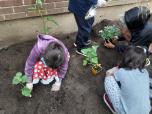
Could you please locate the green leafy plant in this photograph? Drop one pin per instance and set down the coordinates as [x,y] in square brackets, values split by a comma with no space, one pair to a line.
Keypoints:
[109,32]
[41,10]
[90,56]
[20,79]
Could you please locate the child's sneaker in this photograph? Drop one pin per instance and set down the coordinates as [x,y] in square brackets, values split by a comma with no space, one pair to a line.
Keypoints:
[78,51]
[87,43]
[108,103]
[75,45]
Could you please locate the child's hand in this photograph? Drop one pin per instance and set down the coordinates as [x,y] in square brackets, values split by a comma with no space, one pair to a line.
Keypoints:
[126,34]
[109,45]
[29,86]
[150,48]
[56,86]
[111,72]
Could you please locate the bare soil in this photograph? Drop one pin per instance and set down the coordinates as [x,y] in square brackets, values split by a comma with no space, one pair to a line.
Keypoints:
[81,92]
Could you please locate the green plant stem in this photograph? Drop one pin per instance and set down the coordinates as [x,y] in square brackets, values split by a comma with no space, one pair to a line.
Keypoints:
[43,19]
[22,85]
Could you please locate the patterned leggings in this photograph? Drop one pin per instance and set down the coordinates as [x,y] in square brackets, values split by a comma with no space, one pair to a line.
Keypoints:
[113,91]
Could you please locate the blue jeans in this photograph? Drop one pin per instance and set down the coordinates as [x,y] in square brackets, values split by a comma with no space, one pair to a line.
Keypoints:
[84,31]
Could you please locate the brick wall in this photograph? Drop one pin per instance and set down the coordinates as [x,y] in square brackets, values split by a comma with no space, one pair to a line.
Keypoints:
[15,9]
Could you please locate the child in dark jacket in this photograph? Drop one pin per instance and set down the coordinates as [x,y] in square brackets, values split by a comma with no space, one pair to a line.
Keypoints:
[137,30]
[47,61]
[80,8]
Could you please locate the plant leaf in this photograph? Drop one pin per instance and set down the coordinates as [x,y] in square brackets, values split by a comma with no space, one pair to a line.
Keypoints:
[32,8]
[50,18]
[85,62]
[46,30]
[24,79]
[17,79]
[18,74]
[86,51]
[26,92]
[39,2]
[109,32]
[94,60]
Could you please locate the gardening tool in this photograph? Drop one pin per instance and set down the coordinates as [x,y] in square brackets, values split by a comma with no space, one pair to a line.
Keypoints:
[92,11]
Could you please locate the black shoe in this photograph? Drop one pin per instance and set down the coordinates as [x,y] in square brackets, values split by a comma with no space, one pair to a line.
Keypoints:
[78,51]
[87,44]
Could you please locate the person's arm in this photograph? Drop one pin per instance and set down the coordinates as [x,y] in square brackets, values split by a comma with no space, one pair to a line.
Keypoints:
[118,48]
[30,62]
[61,73]
[63,68]
[111,71]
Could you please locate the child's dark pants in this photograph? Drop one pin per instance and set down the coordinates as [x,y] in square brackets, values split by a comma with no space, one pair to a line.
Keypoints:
[84,31]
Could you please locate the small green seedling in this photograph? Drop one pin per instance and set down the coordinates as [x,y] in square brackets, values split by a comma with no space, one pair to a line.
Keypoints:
[41,10]
[20,79]
[109,32]
[90,56]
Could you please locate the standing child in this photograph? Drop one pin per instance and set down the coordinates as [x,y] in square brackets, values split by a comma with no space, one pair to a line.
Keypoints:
[47,61]
[80,8]
[132,95]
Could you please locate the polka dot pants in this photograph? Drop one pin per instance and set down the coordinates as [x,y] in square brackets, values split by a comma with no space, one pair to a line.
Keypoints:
[113,91]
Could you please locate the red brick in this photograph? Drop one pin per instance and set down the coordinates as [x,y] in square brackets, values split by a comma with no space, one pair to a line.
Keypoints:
[1,18]
[48,5]
[57,10]
[48,1]
[27,2]
[15,16]
[21,9]
[7,3]
[34,13]
[61,4]
[6,10]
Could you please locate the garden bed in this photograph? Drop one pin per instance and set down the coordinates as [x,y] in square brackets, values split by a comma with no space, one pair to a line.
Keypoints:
[81,92]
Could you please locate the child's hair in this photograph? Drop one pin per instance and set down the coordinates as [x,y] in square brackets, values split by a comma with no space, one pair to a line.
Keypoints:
[134,57]
[137,17]
[54,55]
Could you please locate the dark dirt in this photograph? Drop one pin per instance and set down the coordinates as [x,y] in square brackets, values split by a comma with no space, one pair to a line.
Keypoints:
[81,92]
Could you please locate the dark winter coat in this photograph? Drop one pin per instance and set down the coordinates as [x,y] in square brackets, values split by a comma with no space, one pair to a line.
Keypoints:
[80,7]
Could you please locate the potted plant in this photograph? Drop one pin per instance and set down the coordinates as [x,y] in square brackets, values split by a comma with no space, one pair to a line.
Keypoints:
[20,79]
[90,57]
[109,33]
